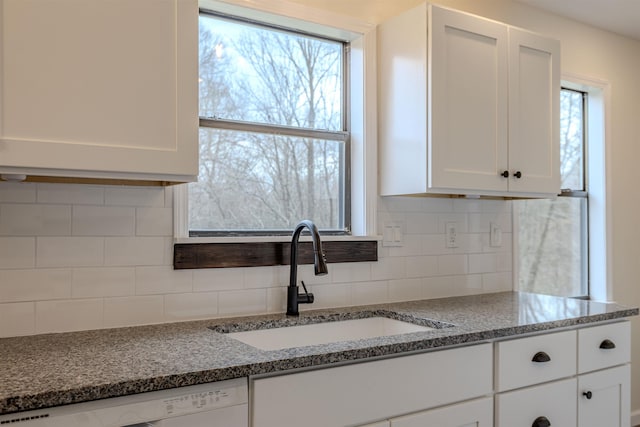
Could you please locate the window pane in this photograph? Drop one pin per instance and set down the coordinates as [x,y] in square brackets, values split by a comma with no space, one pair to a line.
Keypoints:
[571,140]
[251,181]
[551,246]
[261,75]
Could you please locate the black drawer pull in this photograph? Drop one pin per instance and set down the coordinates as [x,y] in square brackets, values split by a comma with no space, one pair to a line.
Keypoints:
[588,395]
[541,422]
[607,345]
[541,357]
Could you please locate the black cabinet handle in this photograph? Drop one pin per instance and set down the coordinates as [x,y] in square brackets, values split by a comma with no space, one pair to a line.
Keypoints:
[505,174]
[541,422]
[518,174]
[607,345]
[541,357]
[587,394]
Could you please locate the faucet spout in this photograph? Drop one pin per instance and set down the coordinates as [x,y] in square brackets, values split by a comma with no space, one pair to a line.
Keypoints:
[294,298]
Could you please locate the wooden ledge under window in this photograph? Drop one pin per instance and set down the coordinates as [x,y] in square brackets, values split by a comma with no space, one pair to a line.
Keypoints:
[262,254]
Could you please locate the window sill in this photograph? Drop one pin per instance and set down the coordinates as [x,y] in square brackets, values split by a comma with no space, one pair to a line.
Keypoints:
[233,252]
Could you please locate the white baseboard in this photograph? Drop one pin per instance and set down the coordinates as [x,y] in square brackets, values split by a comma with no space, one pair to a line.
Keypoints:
[635,418]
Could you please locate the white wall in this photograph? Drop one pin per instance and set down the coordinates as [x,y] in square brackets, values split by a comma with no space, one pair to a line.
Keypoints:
[75,257]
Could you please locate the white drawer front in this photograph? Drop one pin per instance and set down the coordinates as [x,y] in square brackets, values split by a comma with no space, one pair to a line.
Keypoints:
[604,346]
[555,401]
[366,392]
[515,365]
[476,413]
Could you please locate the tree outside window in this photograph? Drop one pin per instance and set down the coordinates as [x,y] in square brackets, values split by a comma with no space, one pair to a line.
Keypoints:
[552,243]
[273,140]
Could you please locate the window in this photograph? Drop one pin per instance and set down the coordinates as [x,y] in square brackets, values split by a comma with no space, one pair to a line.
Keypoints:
[553,235]
[274,140]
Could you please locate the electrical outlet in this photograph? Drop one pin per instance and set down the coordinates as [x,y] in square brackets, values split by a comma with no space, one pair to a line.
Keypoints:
[495,235]
[451,234]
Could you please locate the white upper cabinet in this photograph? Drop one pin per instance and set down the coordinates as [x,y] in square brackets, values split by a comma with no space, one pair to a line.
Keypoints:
[104,89]
[534,113]
[467,106]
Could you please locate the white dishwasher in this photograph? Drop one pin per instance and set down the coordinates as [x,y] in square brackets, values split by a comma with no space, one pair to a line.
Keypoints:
[218,404]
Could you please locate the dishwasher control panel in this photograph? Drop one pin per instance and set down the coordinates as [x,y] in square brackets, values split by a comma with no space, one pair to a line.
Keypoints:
[141,409]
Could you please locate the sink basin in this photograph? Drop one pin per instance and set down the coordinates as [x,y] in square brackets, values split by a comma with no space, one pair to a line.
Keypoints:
[325,333]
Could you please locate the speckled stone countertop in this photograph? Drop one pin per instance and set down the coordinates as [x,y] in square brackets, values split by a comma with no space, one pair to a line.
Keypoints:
[53,369]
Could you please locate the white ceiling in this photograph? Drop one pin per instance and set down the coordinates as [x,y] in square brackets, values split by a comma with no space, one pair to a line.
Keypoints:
[618,16]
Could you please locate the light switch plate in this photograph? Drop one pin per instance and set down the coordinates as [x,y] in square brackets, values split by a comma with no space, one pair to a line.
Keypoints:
[392,235]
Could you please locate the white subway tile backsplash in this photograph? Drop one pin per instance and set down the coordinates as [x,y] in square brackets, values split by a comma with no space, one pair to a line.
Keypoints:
[134,196]
[103,282]
[154,221]
[103,221]
[34,284]
[437,205]
[17,192]
[134,251]
[68,315]
[405,290]
[327,296]
[218,279]
[163,280]
[70,251]
[351,272]
[261,277]
[135,310]
[370,293]
[70,194]
[387,268]
[497,282]
[421,223]
[448,286]
[17,319]
[277,299]
[452,264]
[482,263]
[190,306]
[17,252]
[35,220]
[83,256]
[421,266]
[251,301]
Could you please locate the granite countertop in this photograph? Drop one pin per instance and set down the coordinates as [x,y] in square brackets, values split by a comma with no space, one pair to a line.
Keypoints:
[54,369]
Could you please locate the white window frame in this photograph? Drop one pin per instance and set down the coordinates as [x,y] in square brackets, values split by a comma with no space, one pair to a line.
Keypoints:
[599,186]
[363,100]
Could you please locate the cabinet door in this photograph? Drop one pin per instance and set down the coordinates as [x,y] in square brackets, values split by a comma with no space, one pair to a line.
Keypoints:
[99,88]
[468,88]
[534,113]
[477,413]
[553,403]
[364,392]
[604,398]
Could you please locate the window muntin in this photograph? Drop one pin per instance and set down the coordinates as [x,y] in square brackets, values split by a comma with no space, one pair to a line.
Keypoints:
[273,136]
[553,234]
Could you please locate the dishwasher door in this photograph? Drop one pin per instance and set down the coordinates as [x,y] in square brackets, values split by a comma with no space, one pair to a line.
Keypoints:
[219,404]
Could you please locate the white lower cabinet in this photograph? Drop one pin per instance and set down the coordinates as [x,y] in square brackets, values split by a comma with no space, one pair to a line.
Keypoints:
[573,378]
[552,404]
[477,413]
[368,392]
[603,398]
